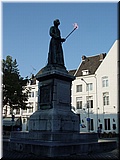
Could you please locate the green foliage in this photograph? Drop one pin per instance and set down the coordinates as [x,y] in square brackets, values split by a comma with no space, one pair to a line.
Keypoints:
[13,85]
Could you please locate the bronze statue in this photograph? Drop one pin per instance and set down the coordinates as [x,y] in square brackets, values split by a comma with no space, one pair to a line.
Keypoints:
[55,55]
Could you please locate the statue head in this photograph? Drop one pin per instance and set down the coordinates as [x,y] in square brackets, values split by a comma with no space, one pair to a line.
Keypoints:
[56,22]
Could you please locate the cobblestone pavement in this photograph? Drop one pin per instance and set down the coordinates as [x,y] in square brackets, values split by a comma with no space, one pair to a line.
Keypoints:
[7,155]
[17,155]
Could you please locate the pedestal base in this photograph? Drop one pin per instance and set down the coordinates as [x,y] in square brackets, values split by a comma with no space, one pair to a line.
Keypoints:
[47,144]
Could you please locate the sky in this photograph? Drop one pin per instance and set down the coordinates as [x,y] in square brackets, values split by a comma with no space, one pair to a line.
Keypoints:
[25,31]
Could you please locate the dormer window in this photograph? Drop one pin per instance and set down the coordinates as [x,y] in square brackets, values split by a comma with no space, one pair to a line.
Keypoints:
[85,72]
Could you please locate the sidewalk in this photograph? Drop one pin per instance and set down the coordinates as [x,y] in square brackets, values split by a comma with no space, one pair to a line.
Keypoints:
[106,155]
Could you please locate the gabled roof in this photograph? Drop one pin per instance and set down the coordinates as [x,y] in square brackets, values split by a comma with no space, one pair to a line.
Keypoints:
[90,63]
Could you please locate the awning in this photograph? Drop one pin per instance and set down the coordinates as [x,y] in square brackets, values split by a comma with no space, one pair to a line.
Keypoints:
[8,121]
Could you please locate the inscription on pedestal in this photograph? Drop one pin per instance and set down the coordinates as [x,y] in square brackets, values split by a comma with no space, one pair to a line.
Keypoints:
[63,93]
[46,96]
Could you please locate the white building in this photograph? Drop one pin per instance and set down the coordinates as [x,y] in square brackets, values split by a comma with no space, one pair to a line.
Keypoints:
[96,83]
[94,93]
[107,91]
[84,92]
[32,103]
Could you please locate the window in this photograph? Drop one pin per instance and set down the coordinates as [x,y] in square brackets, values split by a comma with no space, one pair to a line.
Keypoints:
[89,87]
[29,94]
[105,81]
[5,111]
[85,72]
[106,98]
[24,110]
[18,111]
[79,102]
[24,120]
[36,93]
[89,101]
[90,104]
[36,106]
[107,124]
[32,94]
[79,88]
[30,107]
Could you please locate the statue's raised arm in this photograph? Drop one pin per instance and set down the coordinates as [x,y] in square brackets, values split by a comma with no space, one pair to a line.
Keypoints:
[55,55]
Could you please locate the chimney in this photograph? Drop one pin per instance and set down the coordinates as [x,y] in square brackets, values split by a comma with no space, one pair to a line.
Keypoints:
[102,56]
[83,58]
[32,76]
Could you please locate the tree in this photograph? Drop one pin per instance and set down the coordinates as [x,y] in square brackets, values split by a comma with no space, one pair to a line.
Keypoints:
[13,85]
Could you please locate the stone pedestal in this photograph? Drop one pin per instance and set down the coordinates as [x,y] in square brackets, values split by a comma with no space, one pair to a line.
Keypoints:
[55,113]
[54,128]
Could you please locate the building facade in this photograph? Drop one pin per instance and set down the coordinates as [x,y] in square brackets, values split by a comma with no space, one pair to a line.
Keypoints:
[95,92]
[32,106]
[84,92]
[107,86]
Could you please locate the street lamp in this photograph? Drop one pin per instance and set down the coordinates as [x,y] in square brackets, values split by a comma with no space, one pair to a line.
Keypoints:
[97,101]
[88,119]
